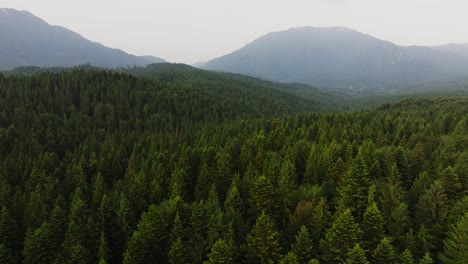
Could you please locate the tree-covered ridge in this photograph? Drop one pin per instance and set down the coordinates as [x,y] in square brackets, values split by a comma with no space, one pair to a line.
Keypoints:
[102,167]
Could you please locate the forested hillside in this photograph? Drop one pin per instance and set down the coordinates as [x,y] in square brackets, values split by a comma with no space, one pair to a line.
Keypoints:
[103,167]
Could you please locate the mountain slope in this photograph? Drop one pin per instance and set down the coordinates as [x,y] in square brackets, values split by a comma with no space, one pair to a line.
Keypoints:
[29,41]
[262,97]
[339,57]
[460,49]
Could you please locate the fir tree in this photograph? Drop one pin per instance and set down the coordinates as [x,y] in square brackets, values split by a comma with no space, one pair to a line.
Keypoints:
[221,252]
[373,230]
[262,242]
[177,252]
[290,258]
[339,238]
[356,255]
[303,248]
[384,253]
[406,257]
[456,243]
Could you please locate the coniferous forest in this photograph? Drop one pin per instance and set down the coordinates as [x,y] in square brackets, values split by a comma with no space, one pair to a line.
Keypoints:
[186,167]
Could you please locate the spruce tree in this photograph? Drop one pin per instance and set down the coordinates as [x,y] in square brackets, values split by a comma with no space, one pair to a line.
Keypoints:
[427,259]
[356,255]
[262,242]
[290,258]
[177,253]
[303,247]
[406,257]
[384,253]
[37,246]
[221,252]
[339,238]
[353,188]
[456,243]
[372,226]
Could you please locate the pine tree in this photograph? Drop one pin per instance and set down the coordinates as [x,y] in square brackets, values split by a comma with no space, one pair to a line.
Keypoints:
[149,240]
[452,184]
[339,238]
[57,228]
[456,243]
[177,252]
[406,257]
[428,260]
[103,253]
[384,253]
[290,258]
[262,196]
[221,252]
[303,248]
[353,189]
[356,255]
[37,246]
[372,226]
[262,242]
[77,233]
[9,236]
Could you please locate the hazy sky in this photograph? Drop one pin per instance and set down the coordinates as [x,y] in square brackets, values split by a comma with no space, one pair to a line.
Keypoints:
[196,30]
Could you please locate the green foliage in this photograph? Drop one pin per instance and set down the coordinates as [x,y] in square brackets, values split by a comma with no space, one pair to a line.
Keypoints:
[456,243]
[406,257]
[427,259]
[356,255]
[290,258]
[340,238]
[303,248]
[372,225]
[184,166]
[177,253]
[353,187]
[221,252]
[262,243]
[37,246]
[384,253]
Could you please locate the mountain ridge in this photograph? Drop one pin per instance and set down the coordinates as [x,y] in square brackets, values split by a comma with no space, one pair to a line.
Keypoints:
[30,41]
[339,56]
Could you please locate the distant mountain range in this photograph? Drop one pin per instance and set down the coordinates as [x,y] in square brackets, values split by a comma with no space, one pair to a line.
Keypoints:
[342,57]
[27,40]
[460,49]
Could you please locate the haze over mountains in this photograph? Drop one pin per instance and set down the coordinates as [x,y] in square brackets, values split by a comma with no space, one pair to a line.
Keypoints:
[27,40]
[342,57]
[326,57]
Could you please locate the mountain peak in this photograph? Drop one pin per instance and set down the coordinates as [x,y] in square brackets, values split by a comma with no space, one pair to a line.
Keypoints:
[12,11]
[338,57]
[28,40]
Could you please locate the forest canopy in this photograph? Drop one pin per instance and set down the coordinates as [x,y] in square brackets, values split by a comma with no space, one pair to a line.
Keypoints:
[105,167]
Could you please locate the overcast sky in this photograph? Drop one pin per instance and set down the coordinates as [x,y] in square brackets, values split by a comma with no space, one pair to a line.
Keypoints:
[197,30]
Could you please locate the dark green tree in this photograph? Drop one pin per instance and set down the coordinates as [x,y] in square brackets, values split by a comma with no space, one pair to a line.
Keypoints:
[262,243]
[303,247]
[406,257]
[456,243]
[177,253]
[384,253]
[221,252]
[372,226]
[353,188]
[340,238]
[356,255]
[290,258]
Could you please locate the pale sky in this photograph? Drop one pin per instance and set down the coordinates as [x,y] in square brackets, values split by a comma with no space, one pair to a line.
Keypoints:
[198,30]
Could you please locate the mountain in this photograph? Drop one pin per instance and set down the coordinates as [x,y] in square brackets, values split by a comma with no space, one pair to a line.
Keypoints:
[339,57]
[30,41]
[460,49]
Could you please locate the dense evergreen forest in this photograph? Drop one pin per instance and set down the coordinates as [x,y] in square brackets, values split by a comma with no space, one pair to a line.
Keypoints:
[105,167]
